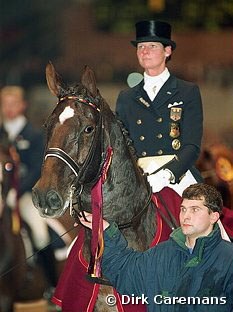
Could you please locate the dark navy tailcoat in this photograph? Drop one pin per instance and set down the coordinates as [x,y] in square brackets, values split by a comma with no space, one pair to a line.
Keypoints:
[171,124]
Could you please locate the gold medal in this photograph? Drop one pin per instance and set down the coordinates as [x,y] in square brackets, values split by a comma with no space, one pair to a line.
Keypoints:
[175,113]
[176,144]
[174,130]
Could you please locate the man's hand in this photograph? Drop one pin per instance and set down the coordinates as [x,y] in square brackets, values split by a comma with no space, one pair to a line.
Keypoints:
[88,223]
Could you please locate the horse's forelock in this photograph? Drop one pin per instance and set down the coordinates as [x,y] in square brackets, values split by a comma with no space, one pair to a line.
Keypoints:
[74,90]
[82,91]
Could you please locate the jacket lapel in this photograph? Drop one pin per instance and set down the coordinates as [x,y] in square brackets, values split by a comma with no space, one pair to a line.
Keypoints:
[141,96]
[168,90]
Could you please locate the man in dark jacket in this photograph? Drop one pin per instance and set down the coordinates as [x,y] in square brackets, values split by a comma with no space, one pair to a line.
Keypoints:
[163,114]
[192,271]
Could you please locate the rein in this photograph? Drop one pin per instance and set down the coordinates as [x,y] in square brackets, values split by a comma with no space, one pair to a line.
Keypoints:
[135,219]
[24,262]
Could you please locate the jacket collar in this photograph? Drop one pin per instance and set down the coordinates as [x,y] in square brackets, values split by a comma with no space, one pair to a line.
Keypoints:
[168,90]
[202,243]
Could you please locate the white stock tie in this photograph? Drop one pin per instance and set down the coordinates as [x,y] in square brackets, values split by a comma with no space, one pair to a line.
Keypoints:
[150,90]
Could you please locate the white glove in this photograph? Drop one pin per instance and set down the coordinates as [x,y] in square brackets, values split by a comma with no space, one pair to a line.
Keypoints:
[152,166]
[160,180]
[11,198]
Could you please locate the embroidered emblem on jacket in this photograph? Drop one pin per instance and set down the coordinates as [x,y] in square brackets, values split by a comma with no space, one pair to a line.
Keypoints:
[175,113]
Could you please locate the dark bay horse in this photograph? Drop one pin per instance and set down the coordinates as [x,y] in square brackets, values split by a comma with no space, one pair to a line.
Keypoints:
[10,244]
[85,142]
[17,279]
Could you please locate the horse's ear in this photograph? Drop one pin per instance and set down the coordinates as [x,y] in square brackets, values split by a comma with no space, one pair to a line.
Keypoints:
[53,80]
[88,81]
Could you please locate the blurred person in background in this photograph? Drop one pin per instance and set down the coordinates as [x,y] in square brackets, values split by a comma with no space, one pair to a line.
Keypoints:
[162,113]
[29,144]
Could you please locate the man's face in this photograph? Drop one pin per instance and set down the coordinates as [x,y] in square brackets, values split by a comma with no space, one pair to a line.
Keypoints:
[195,218]
[152,55]
[12,106]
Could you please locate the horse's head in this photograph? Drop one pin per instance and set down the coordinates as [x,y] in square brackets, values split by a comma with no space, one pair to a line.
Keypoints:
[74,150]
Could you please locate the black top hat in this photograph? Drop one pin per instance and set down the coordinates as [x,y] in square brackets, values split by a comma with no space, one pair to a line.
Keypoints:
[153,31]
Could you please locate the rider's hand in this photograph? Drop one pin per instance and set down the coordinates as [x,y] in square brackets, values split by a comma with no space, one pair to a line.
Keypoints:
[160,180]
[88,223]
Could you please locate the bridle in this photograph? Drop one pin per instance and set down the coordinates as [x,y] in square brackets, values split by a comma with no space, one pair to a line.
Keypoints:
[79,171]
[59,153]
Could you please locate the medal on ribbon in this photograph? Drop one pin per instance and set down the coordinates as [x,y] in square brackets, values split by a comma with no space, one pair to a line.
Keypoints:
[174,130]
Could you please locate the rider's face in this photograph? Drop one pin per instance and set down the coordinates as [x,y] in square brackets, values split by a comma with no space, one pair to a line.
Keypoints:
[152,56]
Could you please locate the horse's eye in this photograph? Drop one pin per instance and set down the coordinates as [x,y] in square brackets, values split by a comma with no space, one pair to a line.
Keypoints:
[89,129]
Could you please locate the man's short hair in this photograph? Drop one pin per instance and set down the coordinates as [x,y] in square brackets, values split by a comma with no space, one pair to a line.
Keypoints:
[13,90]
[212,198]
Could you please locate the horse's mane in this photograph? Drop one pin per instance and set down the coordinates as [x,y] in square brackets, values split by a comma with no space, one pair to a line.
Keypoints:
[128,140]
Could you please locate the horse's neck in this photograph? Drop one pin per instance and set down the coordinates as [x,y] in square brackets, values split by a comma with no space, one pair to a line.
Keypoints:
[126,193]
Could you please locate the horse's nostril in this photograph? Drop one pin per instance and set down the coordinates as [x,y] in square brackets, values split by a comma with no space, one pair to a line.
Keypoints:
[35,199]
[53,199]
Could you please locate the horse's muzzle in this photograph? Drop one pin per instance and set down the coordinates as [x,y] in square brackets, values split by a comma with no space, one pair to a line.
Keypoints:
[49,205]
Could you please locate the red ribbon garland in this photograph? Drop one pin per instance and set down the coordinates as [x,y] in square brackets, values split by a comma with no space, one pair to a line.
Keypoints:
[97,241]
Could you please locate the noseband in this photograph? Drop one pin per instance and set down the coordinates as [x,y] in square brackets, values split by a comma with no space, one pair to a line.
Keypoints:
[59,153]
